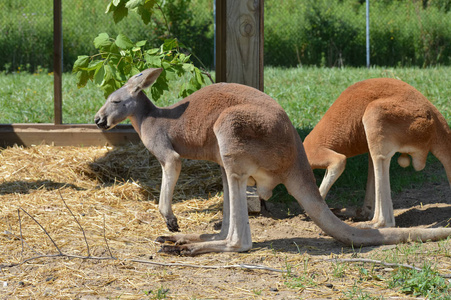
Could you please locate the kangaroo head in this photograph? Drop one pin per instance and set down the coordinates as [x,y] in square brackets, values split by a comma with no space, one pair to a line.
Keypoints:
[124,102]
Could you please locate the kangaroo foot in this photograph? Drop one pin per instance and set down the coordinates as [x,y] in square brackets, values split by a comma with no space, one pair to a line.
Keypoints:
[180,250]
[373,225]
[166,238]
[357,214]
[178,239]
[181,239]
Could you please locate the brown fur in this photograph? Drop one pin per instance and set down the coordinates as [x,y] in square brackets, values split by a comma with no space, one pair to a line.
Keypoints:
[250,136]
[380,116]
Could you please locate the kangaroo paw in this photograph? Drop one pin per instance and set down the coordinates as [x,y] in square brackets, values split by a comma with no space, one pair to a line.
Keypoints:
[178,239]
[164,239]
[172,224]
[181,250]
[356,214]
[345,213]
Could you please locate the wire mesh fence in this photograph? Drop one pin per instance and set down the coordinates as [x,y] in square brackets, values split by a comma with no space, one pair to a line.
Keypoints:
[333,32]
[297,33]
[26,30]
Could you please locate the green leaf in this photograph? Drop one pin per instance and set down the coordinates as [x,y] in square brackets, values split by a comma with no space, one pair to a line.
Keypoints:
[119,13]
[170,45]
[155,92]
[141,43]
[127,69]
[116,2]
[108,73]
[118,84]
[102,40]
[178,69]
[152,60]
[186,90]
[146,11]
[132,4]
[187,59]
[153,51]
[110,7]
[99,75]
[123,42]
[108,87]
[135,71]
[188,67]
[114,49]
[166,65]
[82,78]
[94,65]
[149,5]
[81,62]
[199,77]
[145,15]
[160,85]
[171,75]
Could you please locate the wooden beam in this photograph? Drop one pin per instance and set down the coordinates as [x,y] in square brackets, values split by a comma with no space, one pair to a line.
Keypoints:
[57,62]
[239,42]
[221,25]
[65,135]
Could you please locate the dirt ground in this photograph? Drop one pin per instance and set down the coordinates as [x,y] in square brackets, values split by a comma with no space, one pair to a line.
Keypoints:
[100,202]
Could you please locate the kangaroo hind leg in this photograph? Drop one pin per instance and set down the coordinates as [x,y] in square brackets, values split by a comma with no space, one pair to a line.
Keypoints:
[382,143]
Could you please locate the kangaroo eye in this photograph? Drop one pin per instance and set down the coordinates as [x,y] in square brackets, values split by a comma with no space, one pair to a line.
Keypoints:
[116,101]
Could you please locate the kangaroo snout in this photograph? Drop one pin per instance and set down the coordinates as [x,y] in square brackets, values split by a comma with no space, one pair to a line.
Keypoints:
[101,122]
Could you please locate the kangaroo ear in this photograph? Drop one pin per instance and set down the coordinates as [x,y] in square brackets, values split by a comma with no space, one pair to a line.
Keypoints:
[143,80]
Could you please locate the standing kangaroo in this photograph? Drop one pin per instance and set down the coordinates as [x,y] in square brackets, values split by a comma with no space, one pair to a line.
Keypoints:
[381,116]
[251,137]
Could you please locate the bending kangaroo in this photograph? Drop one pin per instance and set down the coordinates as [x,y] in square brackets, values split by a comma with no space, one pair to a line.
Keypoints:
[250,136]
[381,116]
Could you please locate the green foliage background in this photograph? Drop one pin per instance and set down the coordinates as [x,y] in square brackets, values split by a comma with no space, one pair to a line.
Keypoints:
[26,30]
[320,33]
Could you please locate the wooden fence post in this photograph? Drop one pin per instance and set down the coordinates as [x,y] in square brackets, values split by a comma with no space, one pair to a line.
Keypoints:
[239,53]
[239,42]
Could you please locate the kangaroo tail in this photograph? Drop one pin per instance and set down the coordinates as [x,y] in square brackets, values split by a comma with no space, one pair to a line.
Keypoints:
[304,189]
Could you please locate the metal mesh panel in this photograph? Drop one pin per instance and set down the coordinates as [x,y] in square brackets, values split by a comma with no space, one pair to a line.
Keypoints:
[332,32]
[311,32]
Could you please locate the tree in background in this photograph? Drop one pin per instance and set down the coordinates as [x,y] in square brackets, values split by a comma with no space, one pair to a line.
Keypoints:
[120,58]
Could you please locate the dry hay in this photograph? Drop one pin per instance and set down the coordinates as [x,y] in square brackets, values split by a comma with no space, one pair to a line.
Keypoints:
[111,192]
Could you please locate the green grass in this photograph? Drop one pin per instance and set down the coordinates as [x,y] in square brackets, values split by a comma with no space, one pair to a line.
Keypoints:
[426,282]
[28,98]
[373,281]
[305,93]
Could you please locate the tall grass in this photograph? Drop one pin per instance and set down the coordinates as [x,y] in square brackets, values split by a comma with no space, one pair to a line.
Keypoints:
[305,93]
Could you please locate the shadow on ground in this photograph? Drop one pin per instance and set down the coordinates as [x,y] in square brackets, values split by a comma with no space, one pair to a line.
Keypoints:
[24,187]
